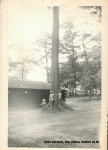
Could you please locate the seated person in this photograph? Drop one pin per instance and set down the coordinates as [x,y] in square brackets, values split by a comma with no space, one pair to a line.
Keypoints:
[44,103]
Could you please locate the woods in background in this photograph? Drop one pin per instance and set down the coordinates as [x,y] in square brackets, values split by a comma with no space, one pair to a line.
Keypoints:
[79,56]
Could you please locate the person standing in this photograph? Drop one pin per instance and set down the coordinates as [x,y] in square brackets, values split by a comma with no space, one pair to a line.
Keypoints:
[51,98]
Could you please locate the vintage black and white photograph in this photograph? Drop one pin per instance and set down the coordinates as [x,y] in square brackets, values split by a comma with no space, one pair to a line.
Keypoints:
[54,75]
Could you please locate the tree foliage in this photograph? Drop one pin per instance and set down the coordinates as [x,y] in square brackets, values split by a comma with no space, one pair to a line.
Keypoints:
[84,58]
[94,11]
[20,67]
[81,47]
[43,46]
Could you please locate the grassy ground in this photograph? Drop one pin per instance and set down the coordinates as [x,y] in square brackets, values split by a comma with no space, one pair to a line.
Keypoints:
[33,128]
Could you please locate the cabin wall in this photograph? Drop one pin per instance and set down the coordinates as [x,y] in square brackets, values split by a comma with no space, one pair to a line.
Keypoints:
[44,94]
[26,98]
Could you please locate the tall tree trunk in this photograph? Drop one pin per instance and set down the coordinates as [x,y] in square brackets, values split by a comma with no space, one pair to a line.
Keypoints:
[55,53]
[88,67]
[55,85]
[74,73]
[85,54]
[46,58]
[90,90]
[47,74]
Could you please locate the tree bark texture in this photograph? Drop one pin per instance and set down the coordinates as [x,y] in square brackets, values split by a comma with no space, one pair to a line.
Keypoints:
[55,53]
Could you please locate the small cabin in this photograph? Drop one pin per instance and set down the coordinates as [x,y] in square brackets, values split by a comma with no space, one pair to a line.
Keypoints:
[27,94]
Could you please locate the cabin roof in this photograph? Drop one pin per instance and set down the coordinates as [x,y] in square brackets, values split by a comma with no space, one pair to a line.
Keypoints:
[29,84]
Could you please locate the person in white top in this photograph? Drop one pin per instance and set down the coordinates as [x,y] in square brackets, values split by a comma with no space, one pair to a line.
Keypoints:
[44,103]
[51,98]
[59,97]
